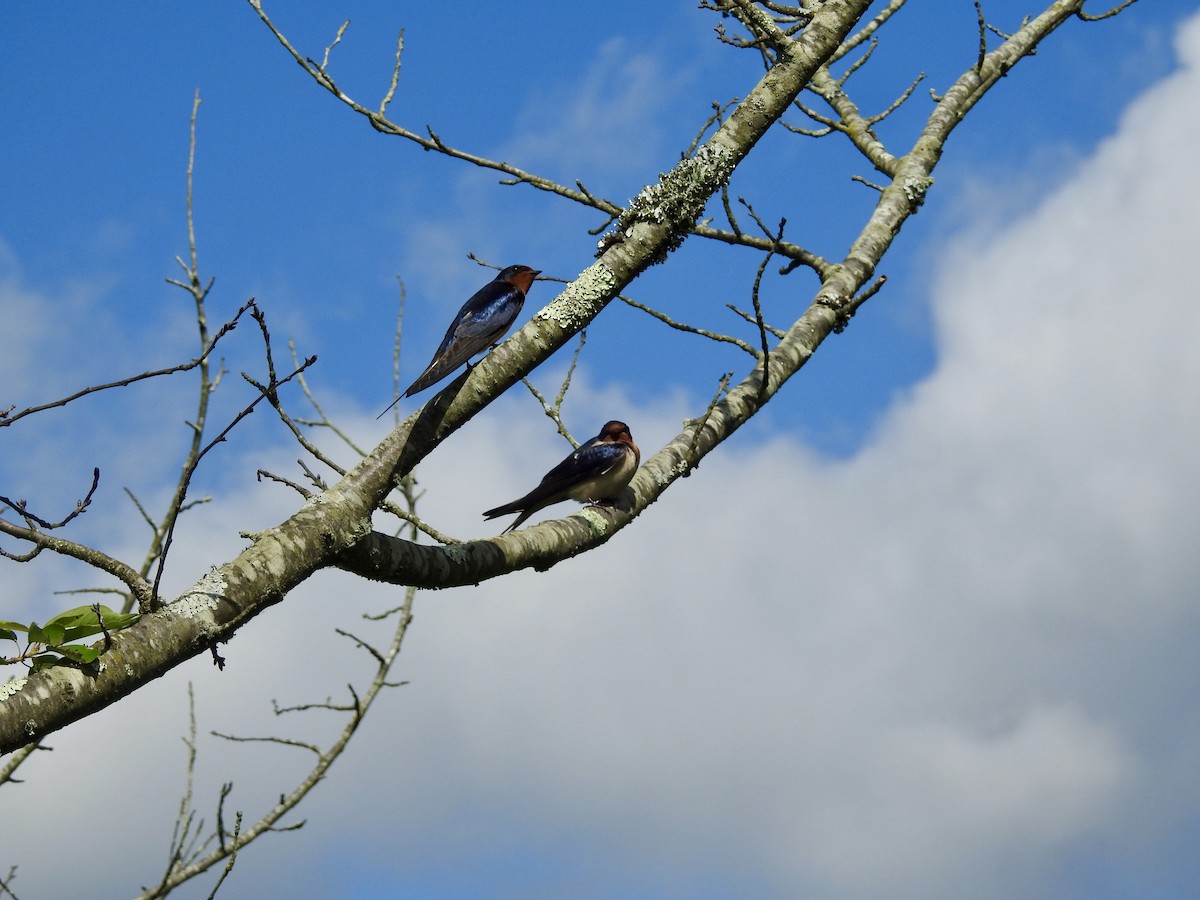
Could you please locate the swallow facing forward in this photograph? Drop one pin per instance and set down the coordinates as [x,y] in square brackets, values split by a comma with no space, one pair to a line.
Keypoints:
[481,322]
[599,470]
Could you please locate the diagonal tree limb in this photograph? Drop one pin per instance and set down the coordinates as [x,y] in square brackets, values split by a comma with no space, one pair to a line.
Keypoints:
[333,528]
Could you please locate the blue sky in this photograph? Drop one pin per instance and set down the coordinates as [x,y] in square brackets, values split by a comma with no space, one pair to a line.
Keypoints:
[303,205]
[929,622]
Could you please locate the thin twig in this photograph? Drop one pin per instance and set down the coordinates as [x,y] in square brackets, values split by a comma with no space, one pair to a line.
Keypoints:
[8,418]
[357,710]
[381,123]
[138,586]
[697,425]
[265,391]
[1105,15]
[851,307]
[554,411]
[391,91]
[778,332]
[237,830]
[982,36]
[6,883]
[14,760]
[337,39]
[690,329]
[396,347]
[31,519]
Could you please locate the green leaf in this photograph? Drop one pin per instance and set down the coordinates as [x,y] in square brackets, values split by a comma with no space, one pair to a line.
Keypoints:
[75,623]
[115,621]
[82,622]
[49,634]
[44,661]
[78,652]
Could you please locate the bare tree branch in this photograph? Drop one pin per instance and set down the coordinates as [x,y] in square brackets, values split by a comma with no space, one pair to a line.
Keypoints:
[7,418]
[138,587]
[381,123]
[1125,4]
[185,866]
[553,410]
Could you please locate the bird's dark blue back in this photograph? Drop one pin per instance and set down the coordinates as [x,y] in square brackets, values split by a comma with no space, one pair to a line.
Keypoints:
[593,456]
[489,312]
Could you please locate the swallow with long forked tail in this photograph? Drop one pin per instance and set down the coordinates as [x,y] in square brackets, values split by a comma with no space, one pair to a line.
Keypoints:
[599,470]
[481,322]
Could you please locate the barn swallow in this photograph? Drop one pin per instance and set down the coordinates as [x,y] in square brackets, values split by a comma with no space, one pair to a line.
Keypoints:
[481,322]
[599,470]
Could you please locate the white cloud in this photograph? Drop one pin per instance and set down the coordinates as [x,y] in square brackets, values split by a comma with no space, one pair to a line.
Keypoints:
[610,121]
[947,666]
